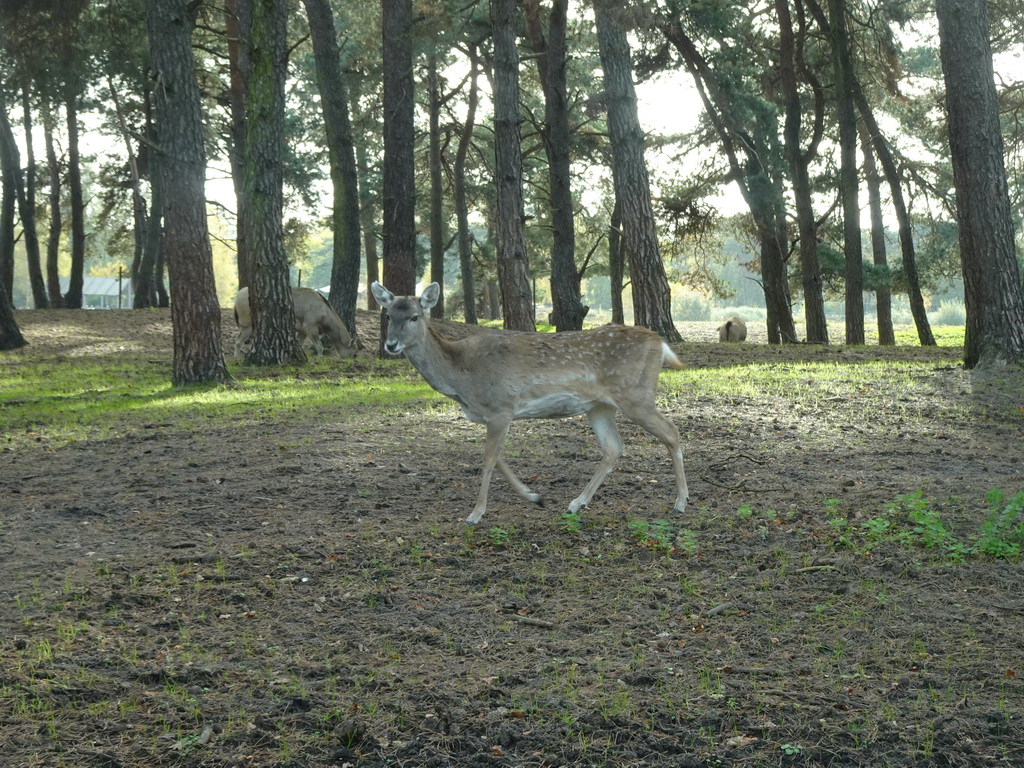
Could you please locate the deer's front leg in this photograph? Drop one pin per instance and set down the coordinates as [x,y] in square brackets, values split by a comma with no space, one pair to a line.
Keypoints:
[497,431]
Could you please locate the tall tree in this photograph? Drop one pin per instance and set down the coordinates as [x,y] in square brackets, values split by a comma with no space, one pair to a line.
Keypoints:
[652,300]
[238,26]
[616,264]
[890,170]
[8,196]
[908,252]
[195,311]
[28,215]
[513,263]
[342,156]
[846,116]
[790,52]
[399,204]
[76,195]
[56,220]
[23,183]
[464,238]
[139,213]
[993,293]
[568,310]
[747,128]
[879,255]
[274,340]
[10,333]
[437,238]
[368,219]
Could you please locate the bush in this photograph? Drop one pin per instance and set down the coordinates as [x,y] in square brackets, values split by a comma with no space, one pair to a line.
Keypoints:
[949,313]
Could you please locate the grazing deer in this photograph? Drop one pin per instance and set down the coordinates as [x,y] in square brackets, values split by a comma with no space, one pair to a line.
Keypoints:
[314,317]
[500,376]
[733,329]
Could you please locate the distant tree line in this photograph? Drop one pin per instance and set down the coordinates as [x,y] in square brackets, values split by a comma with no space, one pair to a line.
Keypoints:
[505,136]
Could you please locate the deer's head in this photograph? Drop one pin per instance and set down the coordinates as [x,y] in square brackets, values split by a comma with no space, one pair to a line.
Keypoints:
[407,316]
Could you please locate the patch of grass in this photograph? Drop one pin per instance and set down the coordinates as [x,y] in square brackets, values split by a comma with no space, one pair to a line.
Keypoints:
[945,335]
[806,383]
[66,401]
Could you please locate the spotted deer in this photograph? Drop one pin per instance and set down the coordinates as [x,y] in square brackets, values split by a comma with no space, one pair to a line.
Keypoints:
[498,377]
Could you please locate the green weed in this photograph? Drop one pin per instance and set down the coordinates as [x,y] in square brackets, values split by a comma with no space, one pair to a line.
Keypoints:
[1002,533]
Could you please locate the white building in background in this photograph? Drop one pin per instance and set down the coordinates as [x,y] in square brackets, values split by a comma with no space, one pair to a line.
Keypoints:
[103,292]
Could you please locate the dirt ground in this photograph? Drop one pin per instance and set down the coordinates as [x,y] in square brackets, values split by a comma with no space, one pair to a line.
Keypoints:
[305,593]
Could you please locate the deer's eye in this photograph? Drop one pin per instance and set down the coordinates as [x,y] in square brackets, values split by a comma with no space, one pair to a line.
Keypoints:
[414,318]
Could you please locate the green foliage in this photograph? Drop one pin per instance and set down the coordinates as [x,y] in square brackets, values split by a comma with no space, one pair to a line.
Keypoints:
[664,537]
[572,522]
[911,521]
[1002,533]
[499,536]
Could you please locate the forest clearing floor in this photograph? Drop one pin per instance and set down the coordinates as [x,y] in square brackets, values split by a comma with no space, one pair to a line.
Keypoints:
[305,593]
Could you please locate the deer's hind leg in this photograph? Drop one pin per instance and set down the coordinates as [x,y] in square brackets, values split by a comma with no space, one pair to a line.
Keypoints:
[602,421]
[650,419]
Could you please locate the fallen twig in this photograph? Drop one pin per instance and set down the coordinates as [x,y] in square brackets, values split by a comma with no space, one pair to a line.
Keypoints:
[532,621]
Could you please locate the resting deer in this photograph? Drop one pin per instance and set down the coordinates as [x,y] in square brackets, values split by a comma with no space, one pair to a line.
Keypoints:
[500,376]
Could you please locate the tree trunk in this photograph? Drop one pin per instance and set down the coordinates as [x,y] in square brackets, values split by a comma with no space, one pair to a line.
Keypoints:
[652,300]
[436,184]
[10,333]
[810,269]
[73,297]
[883,295]
[616,265]
[513,265]
[368,217]
[195,312]
[848,184]
[8,185]
[341,150]
[150,277]
[568,310]
[459,183]
[993,294]
[767,210]
[28,215]
[238,24]
[399,208]
[274,340]
[56,222]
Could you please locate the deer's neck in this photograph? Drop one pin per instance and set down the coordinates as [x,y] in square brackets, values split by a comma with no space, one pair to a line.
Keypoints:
[436,359]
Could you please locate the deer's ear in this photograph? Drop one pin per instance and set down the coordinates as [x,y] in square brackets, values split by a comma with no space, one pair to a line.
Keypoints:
[383,296]
[430,296]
